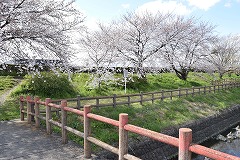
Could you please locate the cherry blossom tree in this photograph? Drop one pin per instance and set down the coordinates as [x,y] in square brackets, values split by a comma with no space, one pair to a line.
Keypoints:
[190,39]
[138,37]
[39,28]
[224,55]
[100,51]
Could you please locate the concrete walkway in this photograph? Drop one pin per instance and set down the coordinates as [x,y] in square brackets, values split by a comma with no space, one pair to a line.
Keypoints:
[19,141]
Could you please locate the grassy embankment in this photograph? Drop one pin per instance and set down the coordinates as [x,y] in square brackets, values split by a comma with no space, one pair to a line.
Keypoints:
[9,109]
[158,116]
[6,82]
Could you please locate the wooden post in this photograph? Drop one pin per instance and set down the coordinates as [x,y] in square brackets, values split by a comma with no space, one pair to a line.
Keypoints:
[152,98]
[78,102]
[37,112]
[185,139]
[87,132]
[162,95]
[32,110]
[114,100]
[204,89]
[179,92]
[141,98]
[129,101]
[193,90]
[214,88]
[171,95]
[97,103]
[123,136]
[28,109]
[48,116]
[64,121]
[21,108]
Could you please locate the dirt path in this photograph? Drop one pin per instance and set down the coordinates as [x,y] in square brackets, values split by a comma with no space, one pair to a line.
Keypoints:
[4,96]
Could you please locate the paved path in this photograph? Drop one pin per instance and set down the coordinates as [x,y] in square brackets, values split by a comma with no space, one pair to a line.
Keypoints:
[19,141]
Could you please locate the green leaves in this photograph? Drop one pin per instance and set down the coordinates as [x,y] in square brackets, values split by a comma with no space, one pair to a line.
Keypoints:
[49,84]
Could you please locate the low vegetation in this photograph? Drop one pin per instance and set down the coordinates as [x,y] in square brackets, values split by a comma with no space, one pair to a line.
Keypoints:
[6,82]
[157,117]
[153,82]
[48,84]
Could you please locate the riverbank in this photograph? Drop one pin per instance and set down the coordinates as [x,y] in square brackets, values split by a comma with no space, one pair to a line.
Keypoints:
[203,130]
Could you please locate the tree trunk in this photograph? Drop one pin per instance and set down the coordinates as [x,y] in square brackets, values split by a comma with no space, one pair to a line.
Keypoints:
[221,75]
[140,71]
[181,74]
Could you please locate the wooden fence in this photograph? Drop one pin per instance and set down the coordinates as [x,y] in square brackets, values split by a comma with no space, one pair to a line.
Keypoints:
[184,142]
[114,100]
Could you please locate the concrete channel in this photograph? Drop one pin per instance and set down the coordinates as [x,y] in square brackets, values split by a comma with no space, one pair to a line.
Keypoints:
[203,130]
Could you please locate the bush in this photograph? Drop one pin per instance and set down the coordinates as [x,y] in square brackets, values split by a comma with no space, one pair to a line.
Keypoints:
[48,84]
[139,84]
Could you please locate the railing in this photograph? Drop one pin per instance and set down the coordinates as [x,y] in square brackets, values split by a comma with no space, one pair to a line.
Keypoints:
[184,142]
[114,100]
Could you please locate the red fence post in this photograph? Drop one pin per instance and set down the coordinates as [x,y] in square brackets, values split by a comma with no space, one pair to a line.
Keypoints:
[21,108]
[64,121]
[28,109]
[123,136]
[185,139]
[87,132]
[48,116]
[37,112]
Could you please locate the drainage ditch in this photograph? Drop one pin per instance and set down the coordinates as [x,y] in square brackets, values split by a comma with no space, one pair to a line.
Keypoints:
[203,131]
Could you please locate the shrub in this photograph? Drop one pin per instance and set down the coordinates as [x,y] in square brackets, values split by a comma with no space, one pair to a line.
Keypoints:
[139,84]
[48,84]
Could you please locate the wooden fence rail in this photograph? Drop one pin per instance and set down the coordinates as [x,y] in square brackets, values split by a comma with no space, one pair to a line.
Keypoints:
[184,142]
[114,100]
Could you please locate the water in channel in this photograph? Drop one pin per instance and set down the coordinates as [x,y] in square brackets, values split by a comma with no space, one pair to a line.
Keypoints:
[230,144]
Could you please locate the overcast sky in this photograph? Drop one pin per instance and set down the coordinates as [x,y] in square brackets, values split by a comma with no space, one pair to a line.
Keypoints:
[225,14]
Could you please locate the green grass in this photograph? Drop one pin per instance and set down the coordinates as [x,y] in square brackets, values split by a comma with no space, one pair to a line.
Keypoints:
[10,109]
[6,82]
[153,82]
[80,81]
[166,113]
[159,116]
